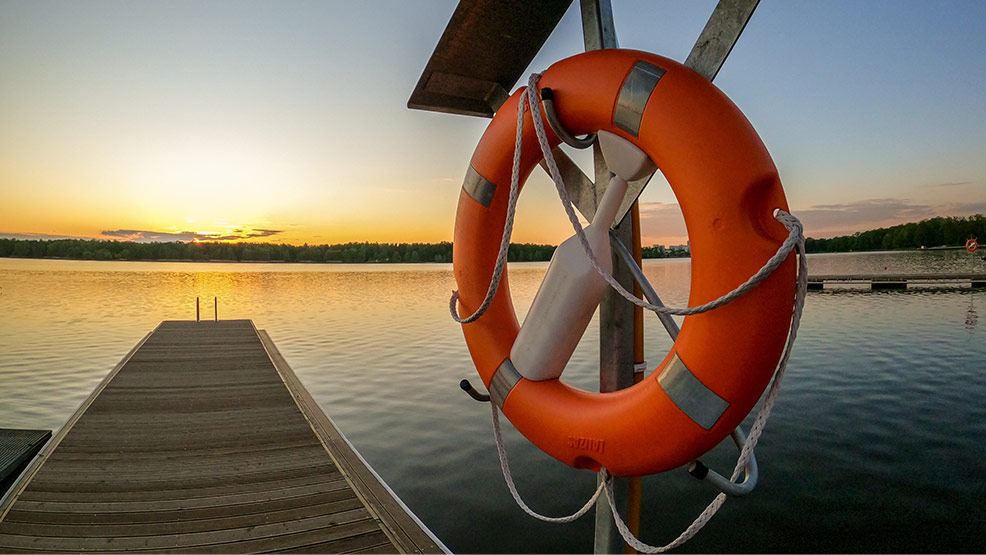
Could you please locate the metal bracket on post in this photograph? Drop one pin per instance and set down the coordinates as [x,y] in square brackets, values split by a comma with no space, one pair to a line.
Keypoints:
[473,392]
[720,482]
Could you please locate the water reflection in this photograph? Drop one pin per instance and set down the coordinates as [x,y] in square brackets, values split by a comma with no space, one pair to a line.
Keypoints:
[895,262]
[867,365]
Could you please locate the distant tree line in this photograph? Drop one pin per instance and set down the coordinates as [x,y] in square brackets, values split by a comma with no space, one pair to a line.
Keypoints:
[94,249]
[933,232]
[660,251]
[83,249]
[941,231]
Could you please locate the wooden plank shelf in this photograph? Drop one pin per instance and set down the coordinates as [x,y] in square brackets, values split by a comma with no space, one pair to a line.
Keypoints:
[202,439]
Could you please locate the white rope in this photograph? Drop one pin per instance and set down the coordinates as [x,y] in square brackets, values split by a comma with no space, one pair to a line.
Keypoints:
[790,222]
[759,422]
[794,241]
[508,225]
[756,431]
[642,547]
[746,453]
[508,477]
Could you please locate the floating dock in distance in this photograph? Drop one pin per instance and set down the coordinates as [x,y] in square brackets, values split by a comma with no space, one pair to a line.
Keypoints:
[203,440]
[897,281]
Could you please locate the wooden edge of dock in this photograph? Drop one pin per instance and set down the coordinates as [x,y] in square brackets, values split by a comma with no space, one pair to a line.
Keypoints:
[396,519]
[7,501]
[898,281]
[18,448]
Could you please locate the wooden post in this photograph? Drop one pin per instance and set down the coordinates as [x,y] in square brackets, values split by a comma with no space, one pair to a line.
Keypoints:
[615,366]
[635,487]
[196,309]
[615,313]
[617,316]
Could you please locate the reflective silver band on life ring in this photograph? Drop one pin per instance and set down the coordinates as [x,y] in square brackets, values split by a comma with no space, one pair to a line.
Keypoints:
[634,95]
[700,403]
[504,380]
[478,187]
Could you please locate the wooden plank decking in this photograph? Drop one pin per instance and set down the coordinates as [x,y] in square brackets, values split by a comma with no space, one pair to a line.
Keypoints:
[203,440]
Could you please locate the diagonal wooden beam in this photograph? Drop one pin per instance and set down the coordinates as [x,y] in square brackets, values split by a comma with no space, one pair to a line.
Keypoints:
[584,193]
[713,46]
[580,188]
[720,34]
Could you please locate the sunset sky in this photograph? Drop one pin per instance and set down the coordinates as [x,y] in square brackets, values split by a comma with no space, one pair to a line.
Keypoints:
[287,121]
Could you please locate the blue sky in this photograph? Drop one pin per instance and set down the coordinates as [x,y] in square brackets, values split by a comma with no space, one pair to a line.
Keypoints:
[288,120]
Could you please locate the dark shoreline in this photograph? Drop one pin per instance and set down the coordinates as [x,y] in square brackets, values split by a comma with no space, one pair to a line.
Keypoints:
[371,262]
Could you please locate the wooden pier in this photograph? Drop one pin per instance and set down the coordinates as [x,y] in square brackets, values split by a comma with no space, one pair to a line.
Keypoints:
[897,281]
[203,440]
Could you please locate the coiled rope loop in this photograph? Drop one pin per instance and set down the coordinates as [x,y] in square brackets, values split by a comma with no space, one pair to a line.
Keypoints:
[794,241]
[508,225]
[760,421]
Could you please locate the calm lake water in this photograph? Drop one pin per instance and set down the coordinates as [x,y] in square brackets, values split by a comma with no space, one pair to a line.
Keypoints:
[877,444]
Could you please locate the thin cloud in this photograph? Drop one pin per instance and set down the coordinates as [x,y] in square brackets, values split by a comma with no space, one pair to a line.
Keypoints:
[144,236]
[662,224]
[830,220]
[962,208]
[148,236]
[880,205]
[949,184]
[35,236]
[264,232]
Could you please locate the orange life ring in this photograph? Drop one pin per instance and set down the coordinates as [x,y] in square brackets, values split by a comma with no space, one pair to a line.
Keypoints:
[971,245]
[727,187]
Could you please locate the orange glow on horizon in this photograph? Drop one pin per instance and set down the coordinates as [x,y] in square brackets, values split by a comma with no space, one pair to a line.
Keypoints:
[539,228]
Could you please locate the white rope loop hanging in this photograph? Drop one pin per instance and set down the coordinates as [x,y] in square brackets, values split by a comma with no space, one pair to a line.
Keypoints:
[508,225]
[759,423]
[508,478]
[794,242]
[746,453]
